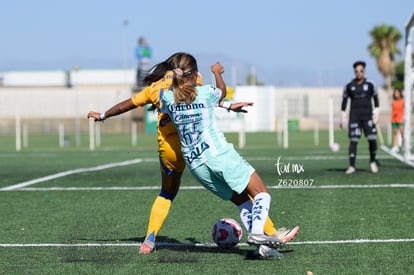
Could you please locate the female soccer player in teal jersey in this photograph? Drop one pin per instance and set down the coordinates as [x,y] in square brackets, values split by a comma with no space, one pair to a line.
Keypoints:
[210,158]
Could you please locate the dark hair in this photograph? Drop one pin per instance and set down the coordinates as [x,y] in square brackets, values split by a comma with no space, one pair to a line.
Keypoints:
[158,71]
[359,63]
[393,93]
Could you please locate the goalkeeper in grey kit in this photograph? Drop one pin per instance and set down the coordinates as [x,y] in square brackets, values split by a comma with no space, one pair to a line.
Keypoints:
[363,115]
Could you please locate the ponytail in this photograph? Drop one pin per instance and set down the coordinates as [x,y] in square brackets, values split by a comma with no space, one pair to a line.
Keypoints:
[184,78]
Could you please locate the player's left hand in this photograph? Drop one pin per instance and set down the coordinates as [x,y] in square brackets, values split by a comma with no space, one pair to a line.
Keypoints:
[343,120]
[94,115]
[217,68]
[238,106]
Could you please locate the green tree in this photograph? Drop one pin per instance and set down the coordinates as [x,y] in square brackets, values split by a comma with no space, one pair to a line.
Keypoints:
[398,81]
[384,48]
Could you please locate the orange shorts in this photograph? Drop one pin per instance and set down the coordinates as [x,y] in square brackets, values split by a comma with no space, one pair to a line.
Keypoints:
[171,158]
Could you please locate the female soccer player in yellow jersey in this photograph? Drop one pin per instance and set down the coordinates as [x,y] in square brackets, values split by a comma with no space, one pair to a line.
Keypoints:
[172,162]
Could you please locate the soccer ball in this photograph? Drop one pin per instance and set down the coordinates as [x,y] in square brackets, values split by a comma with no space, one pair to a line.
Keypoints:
[227,232]
[335,147]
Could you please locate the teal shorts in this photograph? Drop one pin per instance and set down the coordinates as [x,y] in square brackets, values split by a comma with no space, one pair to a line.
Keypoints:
[224,174]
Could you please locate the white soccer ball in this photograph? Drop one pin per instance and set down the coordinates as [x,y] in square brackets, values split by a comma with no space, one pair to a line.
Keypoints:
[227,232]
[335,147]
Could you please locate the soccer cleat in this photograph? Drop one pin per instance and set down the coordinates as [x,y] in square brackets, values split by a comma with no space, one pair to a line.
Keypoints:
[267,253]
[286,234]
[261,239]
[395,149]
[350,170]
[374,167]
[146,247]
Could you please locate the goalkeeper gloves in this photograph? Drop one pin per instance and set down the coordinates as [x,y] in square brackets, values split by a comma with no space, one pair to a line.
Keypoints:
[375,115]
[343,120]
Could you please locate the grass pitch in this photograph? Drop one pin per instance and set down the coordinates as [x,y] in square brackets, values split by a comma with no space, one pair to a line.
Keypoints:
[91,221]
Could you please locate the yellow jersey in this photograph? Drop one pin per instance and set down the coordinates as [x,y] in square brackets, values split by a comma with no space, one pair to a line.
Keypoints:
[151,95]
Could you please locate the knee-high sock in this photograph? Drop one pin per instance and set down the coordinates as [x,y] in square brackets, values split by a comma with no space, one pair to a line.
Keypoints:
[372,150]
[245,212]
[159,213]
[352,153]
[260,212]
[269,227]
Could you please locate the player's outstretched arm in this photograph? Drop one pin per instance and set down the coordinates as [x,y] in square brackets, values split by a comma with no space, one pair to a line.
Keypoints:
[115,110]
[235,106]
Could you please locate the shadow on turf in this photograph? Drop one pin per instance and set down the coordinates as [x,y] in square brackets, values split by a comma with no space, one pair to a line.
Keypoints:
[342,170]
[356,170]
[166,243]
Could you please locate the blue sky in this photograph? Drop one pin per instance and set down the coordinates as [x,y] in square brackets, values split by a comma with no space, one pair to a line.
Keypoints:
[289,43]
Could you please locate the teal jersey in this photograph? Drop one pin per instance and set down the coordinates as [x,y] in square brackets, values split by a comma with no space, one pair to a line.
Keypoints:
[200,136]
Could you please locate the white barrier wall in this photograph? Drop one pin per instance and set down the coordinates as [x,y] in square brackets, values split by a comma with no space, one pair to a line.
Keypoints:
[57,103]
[309,105]
[303,103]
[34,79]
[65,78]
[102,77]
[260,116]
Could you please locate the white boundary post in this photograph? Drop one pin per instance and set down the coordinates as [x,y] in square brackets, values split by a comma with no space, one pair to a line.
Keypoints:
[408,86]
[134,138]
[18,126]
[242,132]
[98,134]
[285,124]
[77,119]
[316,133]
[61,134]
[331,122]
[280,131]
[25,134]
[389,134]
[91,134]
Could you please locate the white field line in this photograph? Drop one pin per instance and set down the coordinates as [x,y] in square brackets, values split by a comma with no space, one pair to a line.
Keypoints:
[70,172]
[315,157]
[20,186]
[397,156]
[358,241]
[199,187]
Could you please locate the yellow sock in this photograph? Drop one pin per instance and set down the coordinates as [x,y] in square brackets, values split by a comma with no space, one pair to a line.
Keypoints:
[269,228]
[159,213]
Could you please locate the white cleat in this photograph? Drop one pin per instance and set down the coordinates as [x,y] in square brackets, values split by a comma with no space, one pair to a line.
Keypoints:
[350,170]
[262,239]
[286,234]
[374,167]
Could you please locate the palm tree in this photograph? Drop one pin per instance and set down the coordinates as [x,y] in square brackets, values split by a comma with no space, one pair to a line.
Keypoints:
[384,47]
[398,81]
